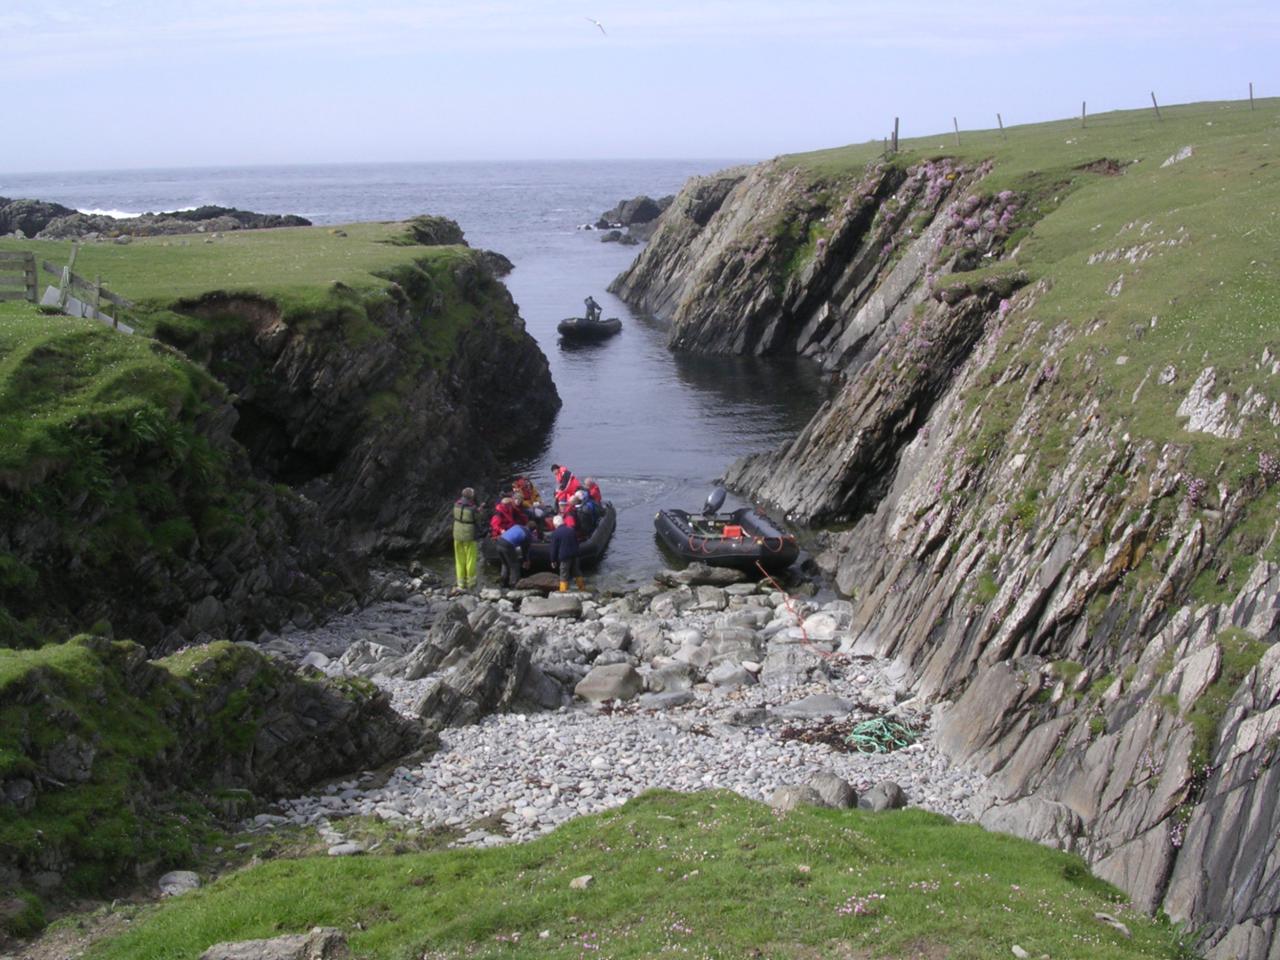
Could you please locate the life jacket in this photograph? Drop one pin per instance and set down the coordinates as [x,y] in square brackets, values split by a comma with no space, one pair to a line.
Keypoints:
[593,491]
[528,493]
[464,521]
[495,526]
[568,486]
[506,516]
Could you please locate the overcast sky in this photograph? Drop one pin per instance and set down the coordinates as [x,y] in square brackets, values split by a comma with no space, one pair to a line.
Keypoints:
[99,84]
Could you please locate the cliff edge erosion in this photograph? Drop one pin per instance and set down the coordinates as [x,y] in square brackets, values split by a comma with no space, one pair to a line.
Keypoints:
[298,402]
[1048,473]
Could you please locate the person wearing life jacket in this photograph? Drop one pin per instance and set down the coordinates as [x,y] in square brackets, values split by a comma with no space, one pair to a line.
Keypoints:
[566,483]
[564,555]
[524,492]
[506,514]
[593,490]
[584,510]
[466,525]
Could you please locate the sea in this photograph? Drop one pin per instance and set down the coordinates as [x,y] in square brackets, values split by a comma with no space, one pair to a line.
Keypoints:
[655,428]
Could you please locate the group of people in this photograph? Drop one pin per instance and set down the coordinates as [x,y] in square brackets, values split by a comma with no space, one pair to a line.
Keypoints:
[520,519]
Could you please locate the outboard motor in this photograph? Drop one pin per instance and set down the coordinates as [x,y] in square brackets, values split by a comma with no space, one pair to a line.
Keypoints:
[714,502]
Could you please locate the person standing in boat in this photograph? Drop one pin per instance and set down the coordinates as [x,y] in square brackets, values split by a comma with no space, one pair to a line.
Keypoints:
[593,491]
[566,483]
[593,309]
[564,555]
[465,533]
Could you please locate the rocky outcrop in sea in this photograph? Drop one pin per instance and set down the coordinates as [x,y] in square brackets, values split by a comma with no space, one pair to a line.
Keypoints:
[42,220]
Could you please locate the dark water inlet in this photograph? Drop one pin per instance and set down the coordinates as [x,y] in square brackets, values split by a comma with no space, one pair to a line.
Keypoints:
[655,428]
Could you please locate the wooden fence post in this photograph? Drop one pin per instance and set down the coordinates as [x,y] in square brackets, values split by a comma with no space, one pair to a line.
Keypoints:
[1000,120]
[1082,113]
[1250,94]
[1156,105]
[956,126]
[64,285]
[31,275]
[895,134]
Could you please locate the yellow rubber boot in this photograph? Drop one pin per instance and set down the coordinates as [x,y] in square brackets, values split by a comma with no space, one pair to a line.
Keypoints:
[564,586]
[582,583]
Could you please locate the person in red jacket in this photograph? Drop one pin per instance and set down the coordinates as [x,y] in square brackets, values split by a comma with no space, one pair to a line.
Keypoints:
[593,491]
[566,483]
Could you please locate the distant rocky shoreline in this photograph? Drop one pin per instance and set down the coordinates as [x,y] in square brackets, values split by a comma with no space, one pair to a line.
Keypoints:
[43,220]
[632,221]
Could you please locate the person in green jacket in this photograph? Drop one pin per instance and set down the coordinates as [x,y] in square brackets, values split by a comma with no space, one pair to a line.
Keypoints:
[466,524]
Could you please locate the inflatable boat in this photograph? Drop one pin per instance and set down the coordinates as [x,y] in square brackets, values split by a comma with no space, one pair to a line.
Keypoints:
[590,551]
[581,329]
[741,539]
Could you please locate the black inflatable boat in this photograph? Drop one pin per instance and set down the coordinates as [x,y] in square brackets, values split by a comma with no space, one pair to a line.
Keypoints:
[590,551]
[740,539]
[579,328]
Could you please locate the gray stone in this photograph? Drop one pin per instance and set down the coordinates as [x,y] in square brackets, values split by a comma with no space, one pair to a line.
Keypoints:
[835,792]
[177,882]
[785,799]
[815,706]
[711,598]
[322,943]
[613,636]
[885,795]
[556,605]
[617,681]
[348,848]
[700,574]
[673,677]
[582,882]
[731,675]
[747,716]
[666,701]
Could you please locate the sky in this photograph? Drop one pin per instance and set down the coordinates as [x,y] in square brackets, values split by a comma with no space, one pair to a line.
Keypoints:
[121,84]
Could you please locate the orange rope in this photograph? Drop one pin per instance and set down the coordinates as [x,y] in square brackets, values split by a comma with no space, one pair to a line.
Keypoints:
[786,597]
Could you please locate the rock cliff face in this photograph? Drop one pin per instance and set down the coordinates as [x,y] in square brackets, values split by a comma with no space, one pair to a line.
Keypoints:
[1096,608]
[108,755]
[318,436]
[379,420]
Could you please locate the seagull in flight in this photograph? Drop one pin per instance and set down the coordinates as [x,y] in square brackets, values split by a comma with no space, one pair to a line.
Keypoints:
[597,23]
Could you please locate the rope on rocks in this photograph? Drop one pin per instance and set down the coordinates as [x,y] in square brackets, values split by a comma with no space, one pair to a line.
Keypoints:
[879,735]
[791,609]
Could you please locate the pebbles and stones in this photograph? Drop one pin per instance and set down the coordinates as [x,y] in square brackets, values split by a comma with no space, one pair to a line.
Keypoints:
[514,776]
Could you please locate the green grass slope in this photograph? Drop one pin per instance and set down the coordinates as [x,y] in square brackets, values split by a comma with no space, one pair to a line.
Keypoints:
[708,874]
[1150,269]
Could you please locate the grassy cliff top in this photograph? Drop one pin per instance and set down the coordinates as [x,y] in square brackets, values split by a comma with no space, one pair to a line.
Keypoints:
[708,874]
[1155,241]
[60,372]
[285,263]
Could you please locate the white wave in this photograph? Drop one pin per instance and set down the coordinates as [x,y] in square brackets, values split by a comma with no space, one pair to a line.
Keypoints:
[118,214]
[127,215]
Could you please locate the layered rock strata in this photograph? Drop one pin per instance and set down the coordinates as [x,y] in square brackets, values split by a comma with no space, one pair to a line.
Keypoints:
[1005,536]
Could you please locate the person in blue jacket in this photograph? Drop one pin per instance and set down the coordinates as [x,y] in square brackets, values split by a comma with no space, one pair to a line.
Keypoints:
[513,551]
[564,554]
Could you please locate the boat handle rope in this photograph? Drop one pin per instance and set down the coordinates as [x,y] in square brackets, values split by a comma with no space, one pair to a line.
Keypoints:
[791,609]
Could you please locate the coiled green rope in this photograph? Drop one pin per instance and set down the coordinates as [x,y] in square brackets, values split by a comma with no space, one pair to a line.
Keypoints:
[880,736]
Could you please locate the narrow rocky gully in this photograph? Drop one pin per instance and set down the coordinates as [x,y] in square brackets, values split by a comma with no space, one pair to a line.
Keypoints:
[550,707]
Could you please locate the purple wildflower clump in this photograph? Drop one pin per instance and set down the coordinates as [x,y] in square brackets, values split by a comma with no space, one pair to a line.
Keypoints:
[971,224]
[859,906]
[1269,467]
[1196,489]
[1005,306]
